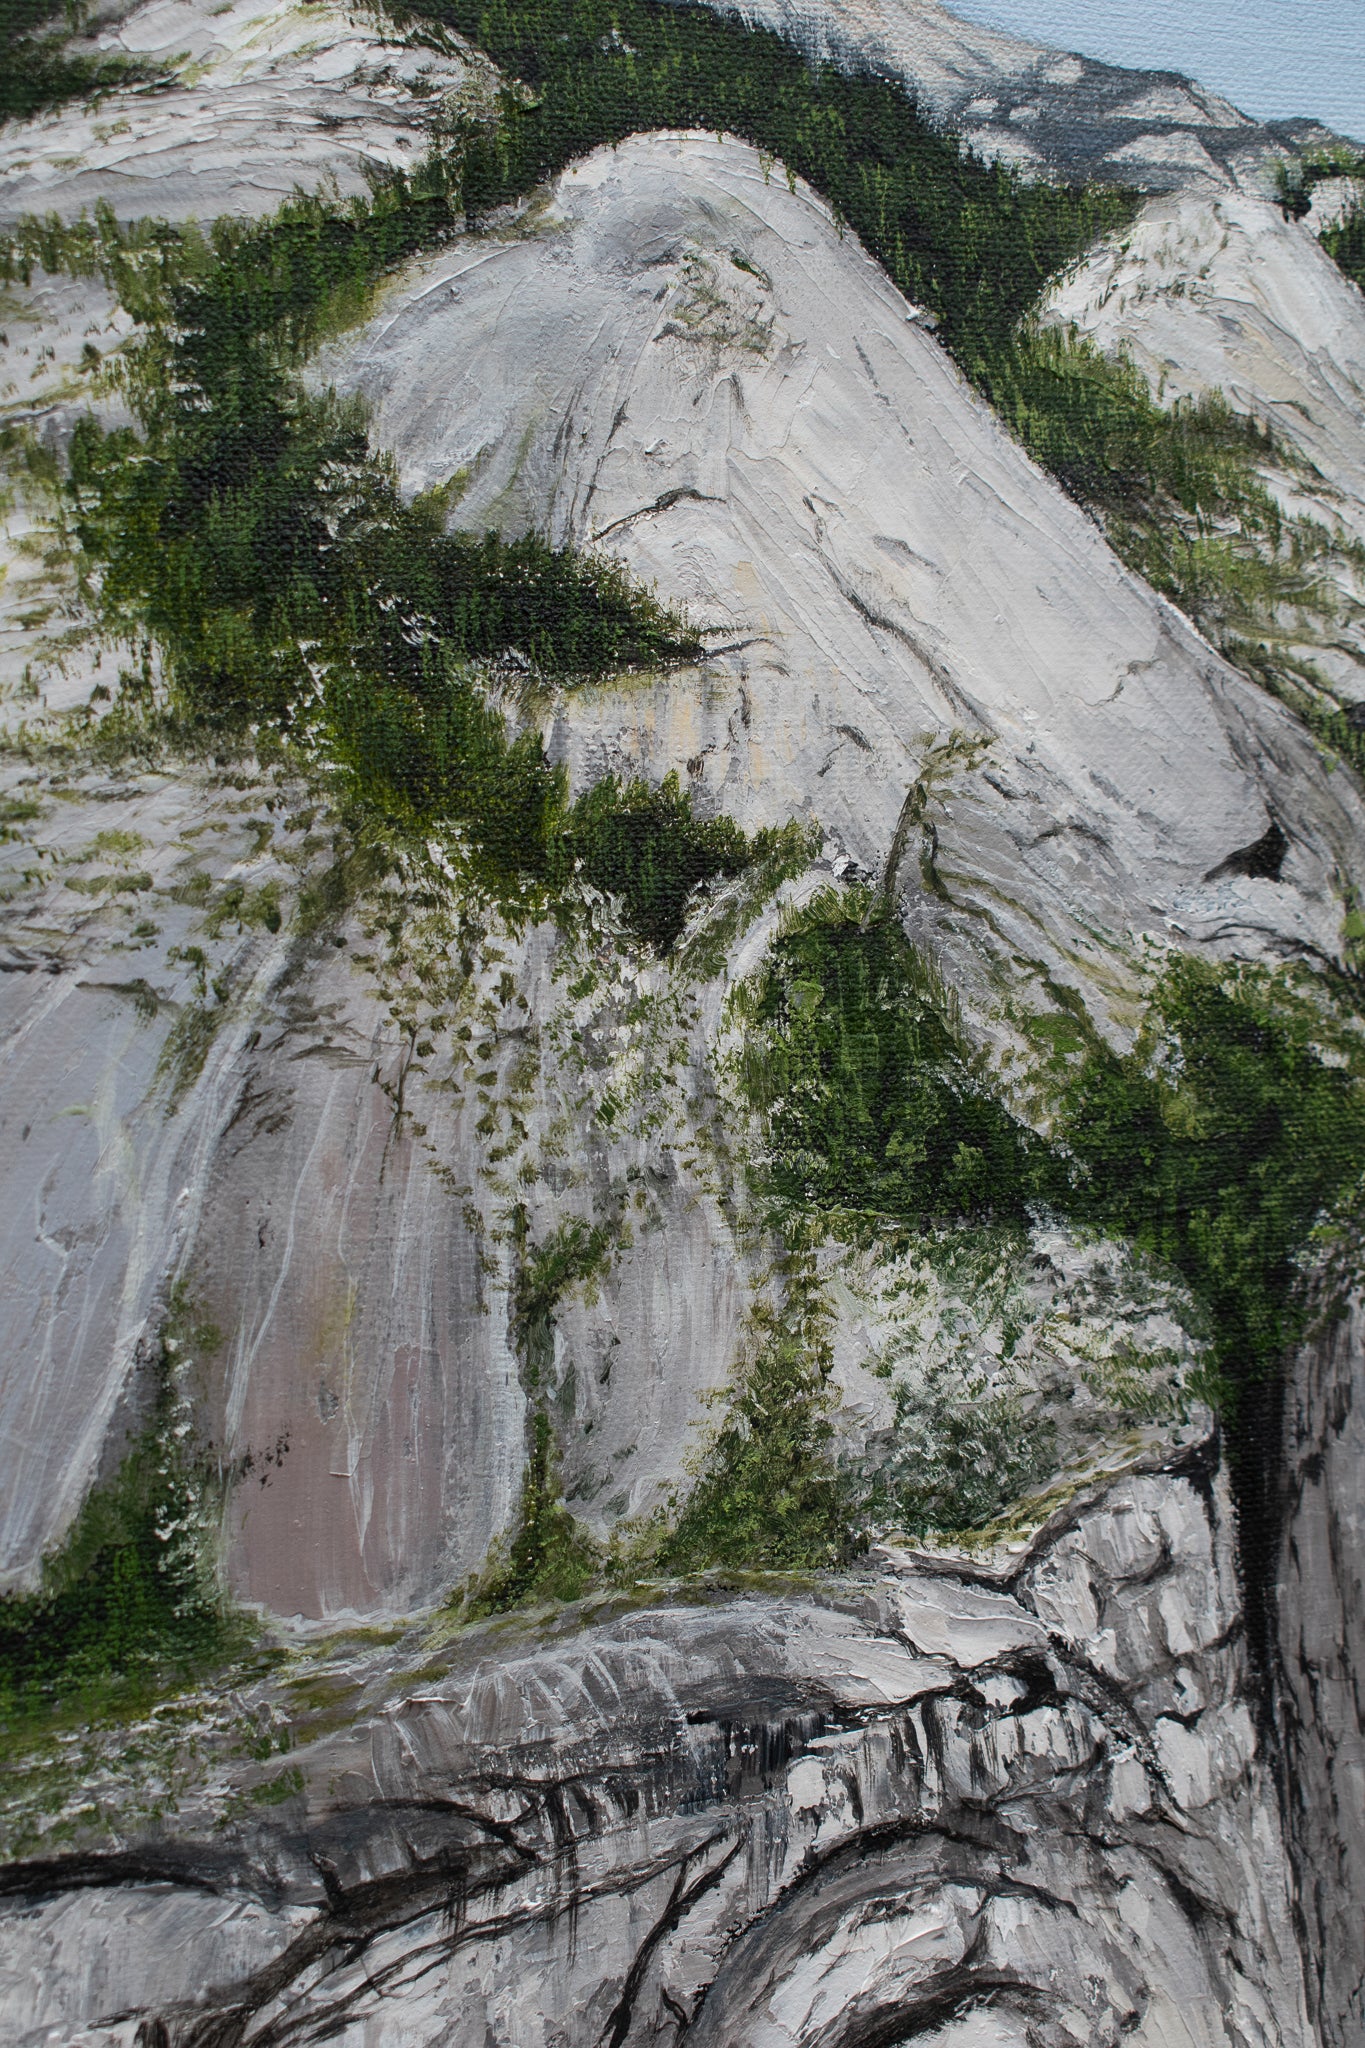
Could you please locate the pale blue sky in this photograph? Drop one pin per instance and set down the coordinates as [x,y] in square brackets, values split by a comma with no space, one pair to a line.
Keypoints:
[1274,58]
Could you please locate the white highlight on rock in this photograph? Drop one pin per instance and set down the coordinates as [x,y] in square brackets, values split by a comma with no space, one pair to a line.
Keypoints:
[268,95]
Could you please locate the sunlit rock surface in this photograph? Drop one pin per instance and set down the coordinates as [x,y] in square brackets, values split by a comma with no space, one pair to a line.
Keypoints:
[254,100]
[196,1095]
[1221,293]
[1020,1803]
[681,360]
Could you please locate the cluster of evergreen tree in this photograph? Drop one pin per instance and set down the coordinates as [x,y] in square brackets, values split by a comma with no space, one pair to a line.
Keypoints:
[38,71]
[1178,487]
[249,528]
[973,242]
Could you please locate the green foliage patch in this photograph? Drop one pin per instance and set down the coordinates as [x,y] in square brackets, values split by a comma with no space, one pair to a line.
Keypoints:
[1234,1126]
[128,1604]
[1093,422]
[857,1063]
[1231,1131]
[548,1556]
[37,71]
[1223,1146]
[769,1495]
[1344,241]
[645,847]
[972,242]
[964,1452]
[248,529]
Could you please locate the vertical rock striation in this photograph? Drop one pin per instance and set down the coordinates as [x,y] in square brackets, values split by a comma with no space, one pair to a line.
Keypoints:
[1322,1655]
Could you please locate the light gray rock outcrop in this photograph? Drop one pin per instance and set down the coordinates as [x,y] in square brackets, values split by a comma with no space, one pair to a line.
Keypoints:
[1023,1803]
[247,104]
[211,1099]
[1220,293]
[686,363]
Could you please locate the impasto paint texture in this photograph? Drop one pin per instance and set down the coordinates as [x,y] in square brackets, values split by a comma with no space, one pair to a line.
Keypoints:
[682,1142]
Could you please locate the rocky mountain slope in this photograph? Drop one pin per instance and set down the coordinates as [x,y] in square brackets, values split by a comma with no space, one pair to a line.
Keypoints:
[1225,294]
[1026,104]
[997,1809]
[682,360]
[253,102]
[1107,778]
[418,1239]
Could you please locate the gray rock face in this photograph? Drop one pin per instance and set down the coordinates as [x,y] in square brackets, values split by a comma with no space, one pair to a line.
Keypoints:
[1218,292]
[1005,1799]
[254,100]
[683,362]
[1009,1805]
[1322,1652]
[1043,109]
[200,1102]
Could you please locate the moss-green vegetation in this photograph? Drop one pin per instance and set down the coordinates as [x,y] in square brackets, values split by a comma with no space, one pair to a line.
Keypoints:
[1093,422]
[1234,1127]
[548,1556]
[38,71]
[1344,241]
[246,528]
[140,261]
[964,1450]
[775,857]
[1297,179]
[1216,1145]
[274,561]
[855,1059]
[1181,490]
[129,1602]
[1183,495]
[769,1495]
[646,847]
[1219,1147]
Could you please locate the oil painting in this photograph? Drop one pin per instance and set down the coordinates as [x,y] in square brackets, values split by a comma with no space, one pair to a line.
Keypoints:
[682,900]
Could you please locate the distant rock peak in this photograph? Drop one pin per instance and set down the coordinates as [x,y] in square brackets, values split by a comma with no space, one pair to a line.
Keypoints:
[1059,113]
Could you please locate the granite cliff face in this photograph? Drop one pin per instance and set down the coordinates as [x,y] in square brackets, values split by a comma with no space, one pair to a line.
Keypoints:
[969,1806]
[1320,1645]
[1221,293]
[682,360]
[254,102]
[864,610]
[297,1121]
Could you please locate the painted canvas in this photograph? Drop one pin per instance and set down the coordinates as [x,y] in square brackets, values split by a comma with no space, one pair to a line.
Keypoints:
[682,899]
